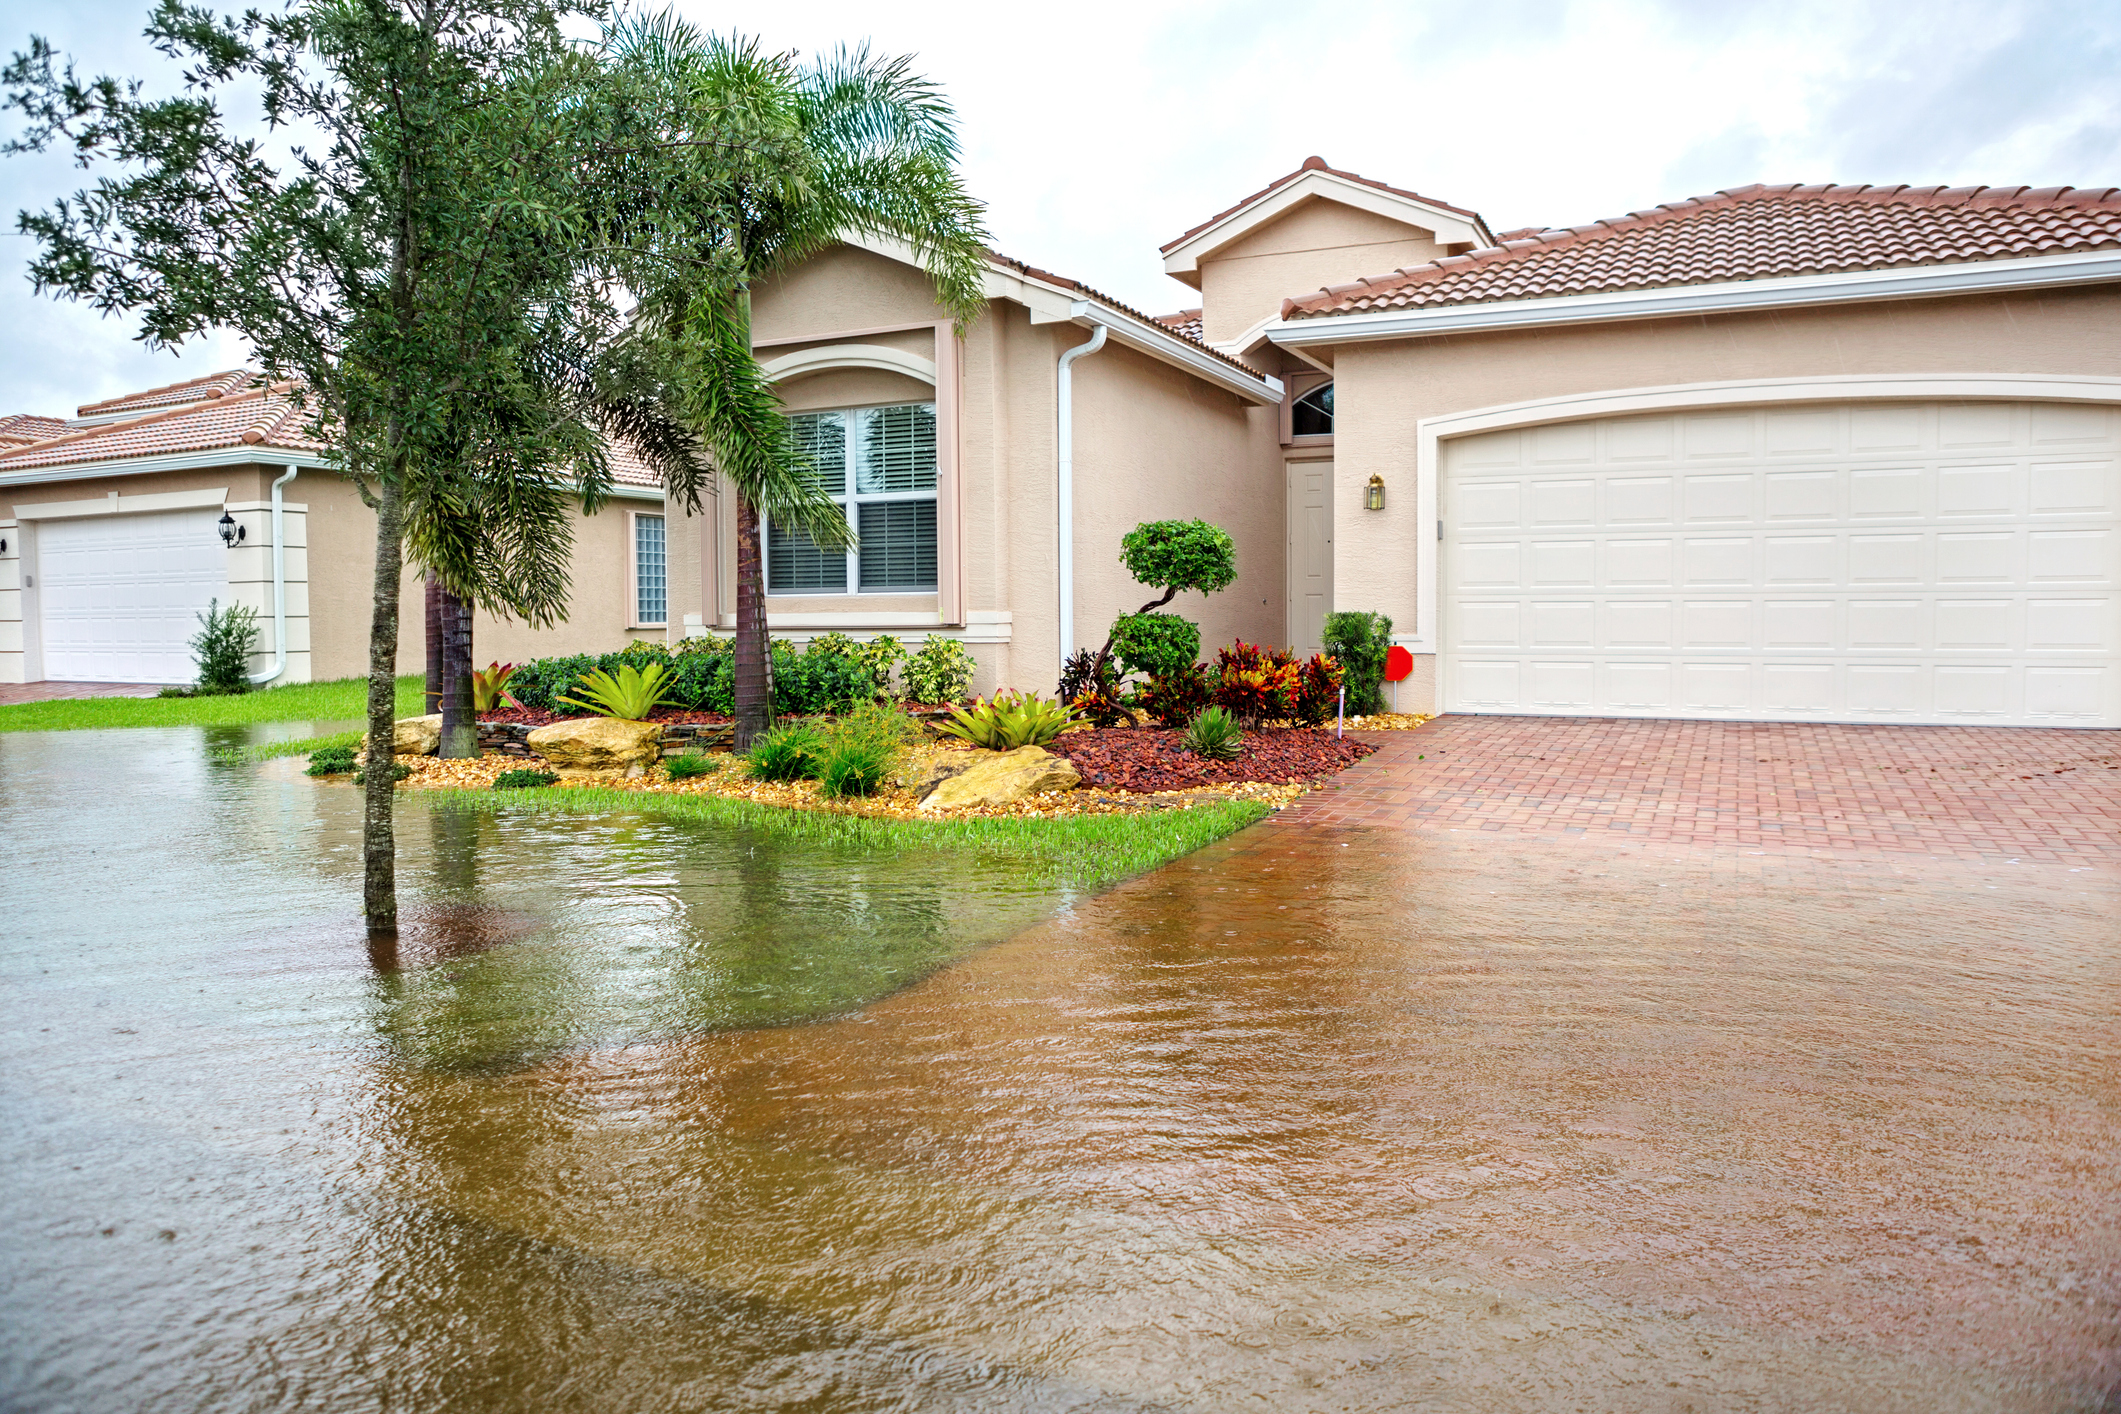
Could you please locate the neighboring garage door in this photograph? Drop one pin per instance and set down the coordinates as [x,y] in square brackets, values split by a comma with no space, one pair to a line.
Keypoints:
[121,595]
[1902,562]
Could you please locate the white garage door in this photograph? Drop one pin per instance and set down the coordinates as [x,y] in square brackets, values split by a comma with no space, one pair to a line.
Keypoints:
[1951,562]
[121,595]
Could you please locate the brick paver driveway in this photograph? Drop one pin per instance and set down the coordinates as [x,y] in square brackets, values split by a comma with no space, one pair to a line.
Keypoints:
[1963,792]
[14,692]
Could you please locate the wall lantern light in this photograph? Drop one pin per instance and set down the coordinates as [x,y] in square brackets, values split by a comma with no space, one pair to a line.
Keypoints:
[1373,497]
[231,533]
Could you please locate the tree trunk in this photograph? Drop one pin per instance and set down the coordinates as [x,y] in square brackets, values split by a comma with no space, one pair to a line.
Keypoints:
[754,659]
[460,726]
[379,846]
[434,643]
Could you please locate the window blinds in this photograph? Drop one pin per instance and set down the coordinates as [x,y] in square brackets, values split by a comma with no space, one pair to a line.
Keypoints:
[878,463]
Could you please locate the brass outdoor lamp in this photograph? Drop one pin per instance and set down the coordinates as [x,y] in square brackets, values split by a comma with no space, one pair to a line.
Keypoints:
[1373,496]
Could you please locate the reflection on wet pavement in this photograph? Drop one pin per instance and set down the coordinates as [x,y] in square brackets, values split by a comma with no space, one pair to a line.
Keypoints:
[1313,1119]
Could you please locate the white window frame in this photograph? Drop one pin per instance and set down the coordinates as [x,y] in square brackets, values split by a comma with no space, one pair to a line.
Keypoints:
[633,569]
[850,501]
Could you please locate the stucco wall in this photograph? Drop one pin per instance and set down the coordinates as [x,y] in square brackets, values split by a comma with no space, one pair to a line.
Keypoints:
[1383,391]
[1316,244]
[1151,443]
[341,566]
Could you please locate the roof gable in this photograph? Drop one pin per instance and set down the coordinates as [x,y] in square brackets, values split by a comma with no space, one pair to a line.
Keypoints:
[1315,181]
[1749,233]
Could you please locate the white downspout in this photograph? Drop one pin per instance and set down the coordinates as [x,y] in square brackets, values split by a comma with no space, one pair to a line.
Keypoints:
[279,584]
[1066,441]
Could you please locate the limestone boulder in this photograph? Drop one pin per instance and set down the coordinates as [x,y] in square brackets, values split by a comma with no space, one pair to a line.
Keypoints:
[414,736]
[598,744]
[939,766]
[998,778]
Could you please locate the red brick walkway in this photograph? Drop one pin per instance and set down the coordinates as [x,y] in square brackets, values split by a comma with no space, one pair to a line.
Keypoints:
[1964,792]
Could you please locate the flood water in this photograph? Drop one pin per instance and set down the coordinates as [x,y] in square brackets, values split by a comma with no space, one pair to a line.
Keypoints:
[653,1116]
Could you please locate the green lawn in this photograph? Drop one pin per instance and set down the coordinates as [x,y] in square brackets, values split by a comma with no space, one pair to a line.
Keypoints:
[1082,851]
[343,700]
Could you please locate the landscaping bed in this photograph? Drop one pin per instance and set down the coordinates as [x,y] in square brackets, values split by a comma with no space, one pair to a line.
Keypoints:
[894,801]
[1155,759]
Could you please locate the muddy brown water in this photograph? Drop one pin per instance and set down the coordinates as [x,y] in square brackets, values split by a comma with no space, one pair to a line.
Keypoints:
[648,1117]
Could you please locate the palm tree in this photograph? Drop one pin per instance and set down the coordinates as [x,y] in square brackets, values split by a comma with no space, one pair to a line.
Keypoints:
[787,160]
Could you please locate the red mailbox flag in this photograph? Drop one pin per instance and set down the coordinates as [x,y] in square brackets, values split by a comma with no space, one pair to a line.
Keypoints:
[1398,663]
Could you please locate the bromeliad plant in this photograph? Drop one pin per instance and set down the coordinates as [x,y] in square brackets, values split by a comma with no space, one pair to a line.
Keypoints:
[1010,721]
[630,694]
[489,687]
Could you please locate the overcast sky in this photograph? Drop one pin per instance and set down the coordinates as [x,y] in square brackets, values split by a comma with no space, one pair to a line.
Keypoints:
[1099,129]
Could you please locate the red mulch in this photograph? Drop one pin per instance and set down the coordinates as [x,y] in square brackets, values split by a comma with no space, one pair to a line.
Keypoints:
[1152,758]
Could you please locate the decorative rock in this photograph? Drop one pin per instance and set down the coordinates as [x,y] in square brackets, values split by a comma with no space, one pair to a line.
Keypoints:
[942,768]
[598,744]
[414,736]
[1001,777]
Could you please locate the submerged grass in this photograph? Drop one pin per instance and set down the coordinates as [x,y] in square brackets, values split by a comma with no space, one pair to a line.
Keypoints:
[341,700]
[289,746]
[1080,851]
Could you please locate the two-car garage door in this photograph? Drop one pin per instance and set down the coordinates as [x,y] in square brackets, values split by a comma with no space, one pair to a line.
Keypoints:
[1953,562]
[121,595]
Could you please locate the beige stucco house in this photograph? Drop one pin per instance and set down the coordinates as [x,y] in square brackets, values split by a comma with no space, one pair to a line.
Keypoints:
[1782,453]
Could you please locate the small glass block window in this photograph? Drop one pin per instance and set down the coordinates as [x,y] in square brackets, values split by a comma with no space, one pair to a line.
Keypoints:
[651,604]
[879,464]
[1313,414]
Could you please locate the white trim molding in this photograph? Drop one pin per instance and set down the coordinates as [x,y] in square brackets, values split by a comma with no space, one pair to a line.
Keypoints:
[212,459]
[1449,227]
[117,505]
[804,362]
[1432,432]
[1050,303]
[980,626]
[1913,282]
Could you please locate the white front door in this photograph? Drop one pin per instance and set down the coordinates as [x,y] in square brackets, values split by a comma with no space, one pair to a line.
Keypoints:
[1310,554]
[122,595]
[1941,562]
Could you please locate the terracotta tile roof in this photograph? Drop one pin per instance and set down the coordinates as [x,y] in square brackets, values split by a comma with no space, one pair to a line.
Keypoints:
[1750,233]
[1186,322]
[25,427]
[1033,272]
[263,418]
[191,390]
[1318,164]
[627,468]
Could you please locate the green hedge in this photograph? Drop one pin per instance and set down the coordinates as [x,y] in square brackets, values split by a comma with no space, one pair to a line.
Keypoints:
[825,677]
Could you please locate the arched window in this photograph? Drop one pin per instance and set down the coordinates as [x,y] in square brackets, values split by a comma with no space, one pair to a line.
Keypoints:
[1313,414]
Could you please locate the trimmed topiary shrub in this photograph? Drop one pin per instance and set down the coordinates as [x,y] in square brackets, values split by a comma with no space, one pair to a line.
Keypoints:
[1154,644]
[1359,642]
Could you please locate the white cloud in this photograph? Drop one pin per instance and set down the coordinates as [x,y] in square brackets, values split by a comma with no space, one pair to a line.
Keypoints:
[1098,130]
